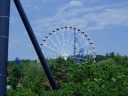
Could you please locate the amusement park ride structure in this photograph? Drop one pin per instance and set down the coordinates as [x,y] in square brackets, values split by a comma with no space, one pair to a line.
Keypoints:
[4,37]
[68,42]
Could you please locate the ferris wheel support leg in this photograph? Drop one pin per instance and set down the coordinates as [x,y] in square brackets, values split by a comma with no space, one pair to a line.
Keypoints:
[36,45]
[4,37]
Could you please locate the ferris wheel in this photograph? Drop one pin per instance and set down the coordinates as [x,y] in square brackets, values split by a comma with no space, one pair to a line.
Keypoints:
[68,42]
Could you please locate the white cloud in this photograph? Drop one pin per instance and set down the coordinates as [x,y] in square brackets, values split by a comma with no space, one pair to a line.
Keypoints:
[86,17]
[71,5]
[111,17]
[33,4]
[76,3]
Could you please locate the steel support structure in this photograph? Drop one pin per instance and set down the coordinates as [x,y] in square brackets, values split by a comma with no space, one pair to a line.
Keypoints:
[4,37]
[35,44]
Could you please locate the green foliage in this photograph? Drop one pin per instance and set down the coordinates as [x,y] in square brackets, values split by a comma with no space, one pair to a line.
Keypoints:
[100,58]
[21,92]
[33,77]
[107,77]
[28,75]
[14,76]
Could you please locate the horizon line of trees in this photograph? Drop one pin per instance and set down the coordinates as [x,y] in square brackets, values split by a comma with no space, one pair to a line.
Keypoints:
[108,76]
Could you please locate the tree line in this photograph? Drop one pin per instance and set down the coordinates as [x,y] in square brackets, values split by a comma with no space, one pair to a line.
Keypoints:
[108,76]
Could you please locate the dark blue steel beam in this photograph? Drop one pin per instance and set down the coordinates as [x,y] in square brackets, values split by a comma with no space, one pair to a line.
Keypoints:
[4,37]
[35,44]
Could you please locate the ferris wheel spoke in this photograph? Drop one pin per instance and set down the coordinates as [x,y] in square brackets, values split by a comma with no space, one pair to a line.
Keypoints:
[68,40]
[51,53]
[68,46]
[77,50]
[70,49]
[82,38]
[52,49]
[58,40]
[55,44]
[62,35]
[77,43]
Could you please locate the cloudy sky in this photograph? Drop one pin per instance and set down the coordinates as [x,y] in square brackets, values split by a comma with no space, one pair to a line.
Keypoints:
[106,22]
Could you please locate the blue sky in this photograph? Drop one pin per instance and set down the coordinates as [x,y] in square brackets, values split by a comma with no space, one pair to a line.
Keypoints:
[106,22]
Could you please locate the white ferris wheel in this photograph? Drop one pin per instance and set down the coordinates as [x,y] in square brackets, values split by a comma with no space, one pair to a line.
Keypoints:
[68,42]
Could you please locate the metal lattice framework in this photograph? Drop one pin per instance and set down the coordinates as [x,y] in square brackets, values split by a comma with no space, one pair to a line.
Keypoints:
[67,42]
